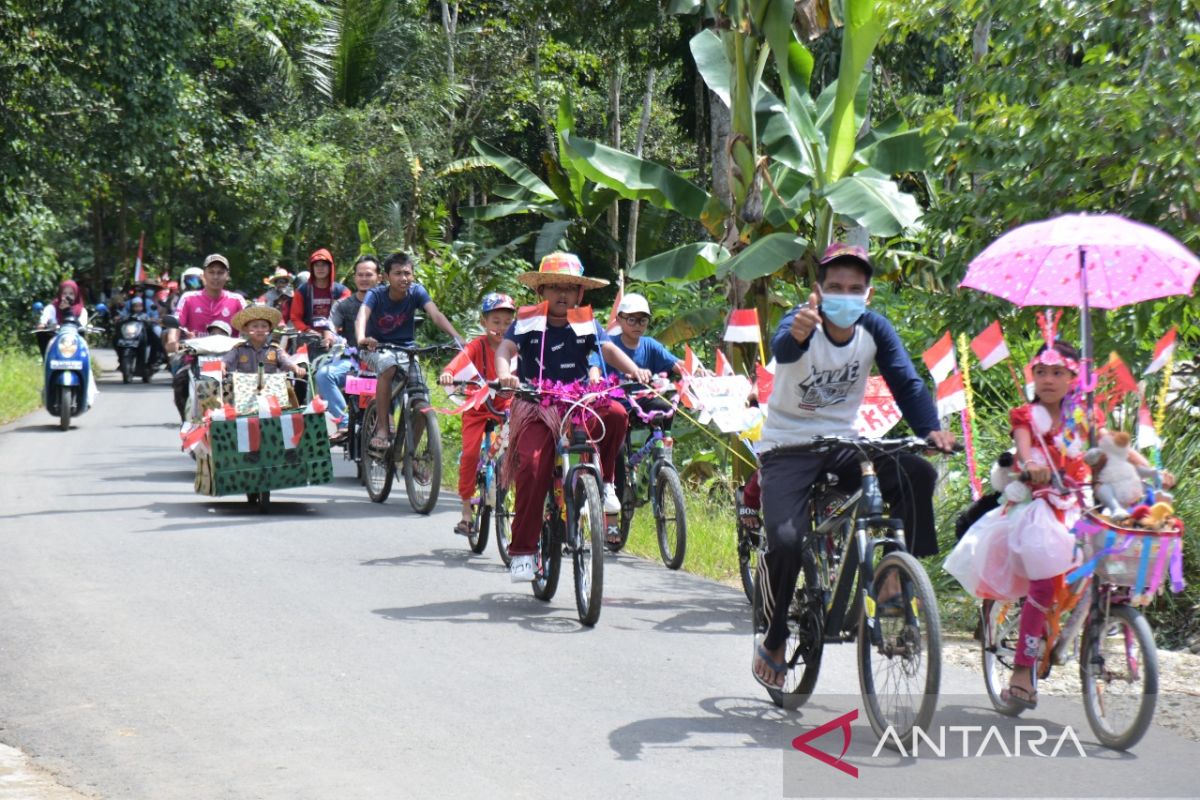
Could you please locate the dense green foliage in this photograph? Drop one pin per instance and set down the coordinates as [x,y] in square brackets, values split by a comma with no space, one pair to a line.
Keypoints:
[690,143]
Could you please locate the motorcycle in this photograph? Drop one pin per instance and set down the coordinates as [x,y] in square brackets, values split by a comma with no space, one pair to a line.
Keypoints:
[137,348]
[67,370]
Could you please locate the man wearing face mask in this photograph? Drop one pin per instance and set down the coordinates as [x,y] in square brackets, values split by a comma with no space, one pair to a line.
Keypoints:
[824,352]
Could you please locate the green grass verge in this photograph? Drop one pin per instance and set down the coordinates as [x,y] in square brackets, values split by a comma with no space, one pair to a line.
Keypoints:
[20,383]
[711,538]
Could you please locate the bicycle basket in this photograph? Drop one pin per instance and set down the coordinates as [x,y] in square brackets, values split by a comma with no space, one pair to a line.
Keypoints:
[1142,560]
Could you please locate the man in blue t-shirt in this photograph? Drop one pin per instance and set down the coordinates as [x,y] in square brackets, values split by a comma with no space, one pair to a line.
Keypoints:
[554,347]
[387,316]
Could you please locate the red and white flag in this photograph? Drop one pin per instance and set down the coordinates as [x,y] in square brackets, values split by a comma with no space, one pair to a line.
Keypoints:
[268,406]
[1147,437]
[743,326]
[878,413]
[1162,352]
[139,270]
[213,369]
[531,318]
[990,347]
[940,358]
[614,327]
[225,413]
[301,355]
[193,435]
[316,406]
[951,397]
[293,430]
[248,435]
[766,382]
[462,369]
[690,362]
[1029,387]
[581,320]
[690,365]
[723,366]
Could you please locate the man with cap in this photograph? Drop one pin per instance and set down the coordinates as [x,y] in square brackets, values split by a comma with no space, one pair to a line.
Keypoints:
[824,352]
[199,309]
[315,299]
[258,351]
[556,351]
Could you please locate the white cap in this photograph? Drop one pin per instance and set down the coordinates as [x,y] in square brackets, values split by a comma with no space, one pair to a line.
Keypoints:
[633,304]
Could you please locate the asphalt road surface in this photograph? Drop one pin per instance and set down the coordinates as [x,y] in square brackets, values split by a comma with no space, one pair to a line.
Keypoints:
[159,644]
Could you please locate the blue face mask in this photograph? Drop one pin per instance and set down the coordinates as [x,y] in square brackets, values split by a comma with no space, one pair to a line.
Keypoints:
[843,310]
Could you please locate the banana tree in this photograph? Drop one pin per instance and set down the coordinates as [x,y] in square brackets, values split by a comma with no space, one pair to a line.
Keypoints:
[799,165]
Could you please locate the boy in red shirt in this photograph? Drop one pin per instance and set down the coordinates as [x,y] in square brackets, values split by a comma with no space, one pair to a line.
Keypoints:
[478,361]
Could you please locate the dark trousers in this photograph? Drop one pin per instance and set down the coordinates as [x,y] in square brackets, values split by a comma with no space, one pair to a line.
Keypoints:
[906,484]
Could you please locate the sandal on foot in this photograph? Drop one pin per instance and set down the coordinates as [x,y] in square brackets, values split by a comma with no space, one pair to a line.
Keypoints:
[761,653]
[1019,695]
[463,528]
[612,537]
[380,442]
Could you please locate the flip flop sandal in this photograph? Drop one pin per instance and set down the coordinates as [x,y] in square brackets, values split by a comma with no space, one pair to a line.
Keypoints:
[1010,695]
[761,653]
[612,536]
[463,528]
[380,442]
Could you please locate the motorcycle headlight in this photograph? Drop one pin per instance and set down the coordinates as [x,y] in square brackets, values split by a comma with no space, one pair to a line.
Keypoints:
[68,344]
[129,330]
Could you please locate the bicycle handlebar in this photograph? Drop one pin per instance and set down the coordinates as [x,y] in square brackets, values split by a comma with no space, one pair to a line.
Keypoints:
[903,444]
[414,350]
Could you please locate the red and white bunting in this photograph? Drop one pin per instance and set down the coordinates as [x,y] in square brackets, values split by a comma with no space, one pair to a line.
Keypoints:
[990,347]
[225,413]
[293,430]
[193,435]
[743,326]
[268,406]
[940,358]
[1147,437]
[531,318]
[951,396]
[1162,352]
[723,365]
[581,320]
[248,435]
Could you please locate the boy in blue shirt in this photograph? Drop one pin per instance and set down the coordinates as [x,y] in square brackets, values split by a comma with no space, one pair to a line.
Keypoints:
[387,316]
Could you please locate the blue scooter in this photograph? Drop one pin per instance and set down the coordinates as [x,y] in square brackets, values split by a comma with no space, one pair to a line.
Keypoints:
[66,367]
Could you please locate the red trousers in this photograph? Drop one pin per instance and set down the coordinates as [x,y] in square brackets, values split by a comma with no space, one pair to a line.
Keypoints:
[473,423]
[535,476]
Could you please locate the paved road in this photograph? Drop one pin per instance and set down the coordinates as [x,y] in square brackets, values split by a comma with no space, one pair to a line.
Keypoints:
[156,644]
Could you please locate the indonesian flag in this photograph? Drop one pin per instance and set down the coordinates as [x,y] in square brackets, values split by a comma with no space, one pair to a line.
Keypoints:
[462,369]
[690,362]
[951,396]
[1147,437]
[1029,387]
[766,382]
[248,435]
[192,435]
[213,369]
[990,347]
[743,326]
[301,355]
[1162,352]
[225,413]
[268,406]
[723,366]
[690,365]
[293,430]
[139,271]
[531,318]
[614,327]
[940,358]
[581,320]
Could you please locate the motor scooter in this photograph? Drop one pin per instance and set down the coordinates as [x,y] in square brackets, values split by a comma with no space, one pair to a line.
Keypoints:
[68,387]
[138,351]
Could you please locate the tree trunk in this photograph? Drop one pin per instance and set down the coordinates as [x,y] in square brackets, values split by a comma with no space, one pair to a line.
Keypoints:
[450,26]
[614,134]
[635,206]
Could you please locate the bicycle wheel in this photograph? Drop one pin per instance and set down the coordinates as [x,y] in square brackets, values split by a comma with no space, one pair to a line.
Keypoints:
[1118,667]
[901,675]
[1001,625]
[585,537]
[805,642]
[481,513]
[376,464]
[670,517]
[624,479]
[423,460]
[504,515]
[549,554]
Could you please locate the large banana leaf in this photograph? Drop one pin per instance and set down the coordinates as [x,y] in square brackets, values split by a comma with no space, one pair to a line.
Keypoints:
[513,169]
[566,124]
[791,136]
[712,62]
[764,256]
[859,36]
[637,179]
[550,238]
[691,325]
[498,210]
[691,262]
[876,203]
[903,151]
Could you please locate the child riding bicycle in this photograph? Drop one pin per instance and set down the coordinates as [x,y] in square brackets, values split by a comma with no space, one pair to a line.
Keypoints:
[824,352]
[387,316]
[553,349]
[497,312]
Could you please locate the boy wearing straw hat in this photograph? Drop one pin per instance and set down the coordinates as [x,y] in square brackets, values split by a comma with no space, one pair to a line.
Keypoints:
[256,323]
[554,351]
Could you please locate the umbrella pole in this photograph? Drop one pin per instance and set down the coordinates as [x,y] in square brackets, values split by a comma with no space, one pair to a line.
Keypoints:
[1085,336]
